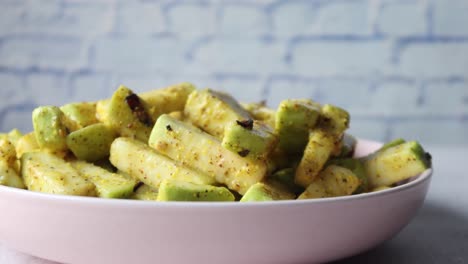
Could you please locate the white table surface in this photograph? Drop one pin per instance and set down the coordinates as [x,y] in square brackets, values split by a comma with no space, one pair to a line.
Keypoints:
[439,233]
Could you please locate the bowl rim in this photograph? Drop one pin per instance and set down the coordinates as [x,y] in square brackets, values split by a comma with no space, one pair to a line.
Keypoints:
[417,180]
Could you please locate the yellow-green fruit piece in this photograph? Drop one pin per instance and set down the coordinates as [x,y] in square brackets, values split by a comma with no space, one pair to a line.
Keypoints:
[126,114]
[294,121]
[200,151]
[392,144]
[381,188]
[108,185]
[150,167]
[26,143]
[281,160]
[8,152]
[106,164]
[264,192]
[146,193]
[83,114]
[213,111]
[50,128]
[102,110]
[357,167]
[340,181]
[286,178]
[262,113]
[47,173]
[316,154]
[171,190]
[91,143]
[334,181]
[396,164]
[9,176]
[335,120]
[13,136]
[167,100]
[250,139]
[315,190]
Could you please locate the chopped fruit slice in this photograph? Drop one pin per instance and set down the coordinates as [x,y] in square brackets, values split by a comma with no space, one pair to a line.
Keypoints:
[167,100]
[47,173]
[13,136]
[50,128]
[91,143]
[340,181]
[334,181]
[9,176]
[171,190]
[316,190]
[8,152]
[357,167]
[262,113]
[26,143]
[286,178]
[126,114]
[381,188]
[213,111]
[392,144]
[262,192]
[316,154]
[255,142]
[108,185]
[146,193]
[335,120]
[83,114]
[396,164]
[203,152]
[294,121]
[144,163]
[102,110]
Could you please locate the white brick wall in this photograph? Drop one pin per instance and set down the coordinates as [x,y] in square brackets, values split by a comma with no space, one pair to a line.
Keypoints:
[11,85]
[344,18]
[447,99]
[450,131]
[139,19]
[282,87]
[49,52]
[319,57]
[89,87]
[245,88]
[399,66]
[240,56]
[18,117]
[292,18]
[138,54]
[406,18]
[243,21]
[350,93]
[450,17]
[434,59]
[78,18]
[192,19]
[401,99]
[374,129]
[47,88]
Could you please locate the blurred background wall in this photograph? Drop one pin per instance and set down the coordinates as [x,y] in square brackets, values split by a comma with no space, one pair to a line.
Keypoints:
[400,67]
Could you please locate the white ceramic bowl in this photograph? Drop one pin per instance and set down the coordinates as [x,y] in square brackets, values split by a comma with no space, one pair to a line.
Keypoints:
[90,230]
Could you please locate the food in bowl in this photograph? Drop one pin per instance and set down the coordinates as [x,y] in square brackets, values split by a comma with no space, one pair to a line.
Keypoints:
[186,144]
